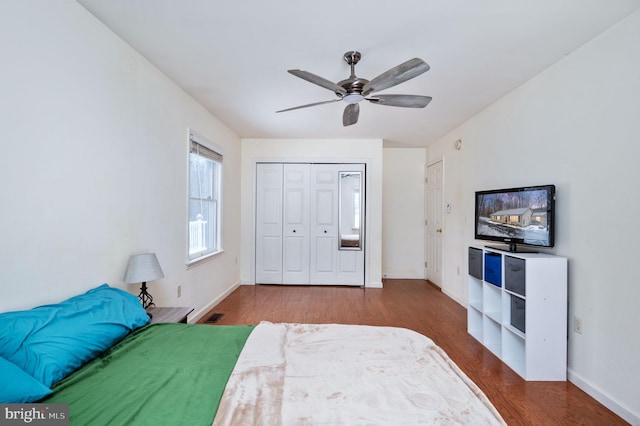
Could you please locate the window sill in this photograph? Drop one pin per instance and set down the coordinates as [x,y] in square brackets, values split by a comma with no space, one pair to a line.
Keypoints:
[202,259]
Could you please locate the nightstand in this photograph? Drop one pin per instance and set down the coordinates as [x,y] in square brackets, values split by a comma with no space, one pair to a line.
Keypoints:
[169,314]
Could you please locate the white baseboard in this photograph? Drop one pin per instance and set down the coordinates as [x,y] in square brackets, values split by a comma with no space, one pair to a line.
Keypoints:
[404,276]
[604,399]
[373,284]
[203,311]
[454,297]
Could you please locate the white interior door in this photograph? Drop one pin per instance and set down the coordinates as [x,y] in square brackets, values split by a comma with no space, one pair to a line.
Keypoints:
[434,228]
[337,220]
[324,224]
[351,224]
[296,224]
[269,223]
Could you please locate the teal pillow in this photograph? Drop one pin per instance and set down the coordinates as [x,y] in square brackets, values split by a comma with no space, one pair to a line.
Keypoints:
[16,386]
[51,341]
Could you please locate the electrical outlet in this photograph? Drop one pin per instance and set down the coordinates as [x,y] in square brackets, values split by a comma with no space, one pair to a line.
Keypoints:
[577,325]
[179,291]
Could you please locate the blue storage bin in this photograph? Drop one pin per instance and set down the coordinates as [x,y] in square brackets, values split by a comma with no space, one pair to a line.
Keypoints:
[493,268]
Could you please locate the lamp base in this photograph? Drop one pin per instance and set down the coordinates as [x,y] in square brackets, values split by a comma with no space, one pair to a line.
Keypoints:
[144,297]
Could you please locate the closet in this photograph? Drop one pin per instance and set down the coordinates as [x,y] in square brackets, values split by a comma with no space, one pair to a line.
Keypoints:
[310,223]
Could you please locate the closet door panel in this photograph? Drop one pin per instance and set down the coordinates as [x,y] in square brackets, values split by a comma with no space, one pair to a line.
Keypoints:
[324,224]
[269,223]
[325,207]
[271,259]
[350,257]
[348,262]
[296,224]
[324,259]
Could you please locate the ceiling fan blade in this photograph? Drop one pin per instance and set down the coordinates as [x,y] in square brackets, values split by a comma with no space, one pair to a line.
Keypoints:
[310,105]
[396,75]
[322,82]
[350,115]
[407,101]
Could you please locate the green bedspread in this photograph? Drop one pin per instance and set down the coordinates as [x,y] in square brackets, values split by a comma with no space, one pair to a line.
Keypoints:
[162,374]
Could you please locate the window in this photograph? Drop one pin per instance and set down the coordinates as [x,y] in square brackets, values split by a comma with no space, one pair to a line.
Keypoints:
[205,172]
[356,209]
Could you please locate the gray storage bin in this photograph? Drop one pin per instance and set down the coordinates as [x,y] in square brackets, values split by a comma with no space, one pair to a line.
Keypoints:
[514,275]
[475,262]
[518,311]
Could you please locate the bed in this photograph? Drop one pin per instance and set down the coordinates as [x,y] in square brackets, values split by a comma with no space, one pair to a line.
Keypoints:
[350,240]
[191,374]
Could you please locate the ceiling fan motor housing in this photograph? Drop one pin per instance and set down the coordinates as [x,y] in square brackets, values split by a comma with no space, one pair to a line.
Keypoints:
[353,85]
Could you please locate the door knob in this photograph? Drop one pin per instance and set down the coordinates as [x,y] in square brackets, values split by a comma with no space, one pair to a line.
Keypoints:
[325,231]
[439,230]
[294,231]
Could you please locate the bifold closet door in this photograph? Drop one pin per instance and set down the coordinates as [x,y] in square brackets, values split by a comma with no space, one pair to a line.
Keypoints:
[295,227]
[334,205]
[301,235]
[324,224]
[269,223]
[282,223]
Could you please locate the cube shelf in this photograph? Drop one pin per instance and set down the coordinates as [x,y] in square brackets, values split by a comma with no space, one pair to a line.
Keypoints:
[520,314]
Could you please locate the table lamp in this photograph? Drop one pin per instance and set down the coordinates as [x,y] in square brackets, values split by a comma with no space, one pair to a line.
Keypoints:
[142,268]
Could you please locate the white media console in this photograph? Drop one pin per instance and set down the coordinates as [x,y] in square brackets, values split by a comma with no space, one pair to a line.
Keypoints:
[518,309]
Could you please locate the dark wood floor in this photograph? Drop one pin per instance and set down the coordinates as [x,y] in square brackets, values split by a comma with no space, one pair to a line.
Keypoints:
[420,306]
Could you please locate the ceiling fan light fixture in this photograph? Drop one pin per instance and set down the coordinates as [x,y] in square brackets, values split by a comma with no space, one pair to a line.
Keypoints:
[353,98]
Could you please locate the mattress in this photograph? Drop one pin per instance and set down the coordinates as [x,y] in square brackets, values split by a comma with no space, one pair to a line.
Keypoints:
[273,374]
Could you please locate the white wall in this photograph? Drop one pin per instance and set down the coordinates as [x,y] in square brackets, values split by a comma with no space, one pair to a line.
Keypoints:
[575,125]
[403,213]
[93,164]
[367,151]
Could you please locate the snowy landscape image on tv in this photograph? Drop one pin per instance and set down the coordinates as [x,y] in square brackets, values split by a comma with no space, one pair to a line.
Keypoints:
[516,215]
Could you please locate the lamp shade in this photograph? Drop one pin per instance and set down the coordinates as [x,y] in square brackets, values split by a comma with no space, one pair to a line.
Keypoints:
[142,268]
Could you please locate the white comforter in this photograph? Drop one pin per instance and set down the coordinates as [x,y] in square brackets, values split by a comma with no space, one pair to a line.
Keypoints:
[331,374]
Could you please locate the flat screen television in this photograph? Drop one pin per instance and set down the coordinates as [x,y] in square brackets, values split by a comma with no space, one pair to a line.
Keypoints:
[515,216]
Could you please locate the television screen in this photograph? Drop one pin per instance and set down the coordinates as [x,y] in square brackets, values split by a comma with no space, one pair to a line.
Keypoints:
[516,216]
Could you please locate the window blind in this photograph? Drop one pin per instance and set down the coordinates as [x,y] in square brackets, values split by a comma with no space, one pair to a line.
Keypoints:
[199,149]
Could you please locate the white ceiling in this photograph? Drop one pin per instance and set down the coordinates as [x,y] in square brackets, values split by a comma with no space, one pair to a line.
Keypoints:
[232,55]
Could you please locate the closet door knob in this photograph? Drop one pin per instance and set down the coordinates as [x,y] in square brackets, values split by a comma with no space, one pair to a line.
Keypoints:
[294,231]
[325,231]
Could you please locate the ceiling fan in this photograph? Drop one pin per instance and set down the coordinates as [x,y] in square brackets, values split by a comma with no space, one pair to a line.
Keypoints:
[355,89]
